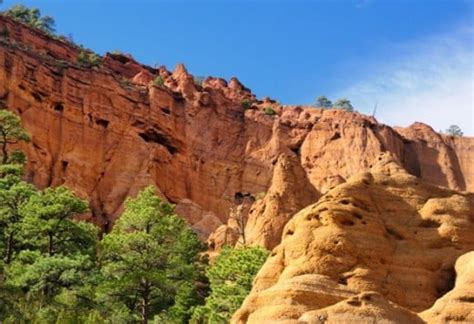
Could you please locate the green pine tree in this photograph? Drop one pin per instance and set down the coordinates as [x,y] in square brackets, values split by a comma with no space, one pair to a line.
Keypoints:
[56,268]
[231,278]
[150,263]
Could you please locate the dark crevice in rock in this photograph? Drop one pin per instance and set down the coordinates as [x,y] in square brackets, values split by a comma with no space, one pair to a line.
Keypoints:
[446,282]
[102,122]
[58,107]
[154,136]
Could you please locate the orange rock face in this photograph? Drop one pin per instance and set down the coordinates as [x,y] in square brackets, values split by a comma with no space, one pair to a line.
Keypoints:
[289,192]
[384,245]
[382,231]
[108,131]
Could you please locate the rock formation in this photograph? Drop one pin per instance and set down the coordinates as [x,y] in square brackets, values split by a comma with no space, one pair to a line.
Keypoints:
[378,246]
[458,304]
[107,131]
[381,245]
[263,223]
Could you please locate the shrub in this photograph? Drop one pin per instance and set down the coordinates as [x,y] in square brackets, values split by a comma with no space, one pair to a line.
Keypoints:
[88,59]
[269,111]
[246,103]
[159,82]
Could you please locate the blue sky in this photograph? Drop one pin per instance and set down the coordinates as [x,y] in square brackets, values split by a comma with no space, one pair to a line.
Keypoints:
[413,58]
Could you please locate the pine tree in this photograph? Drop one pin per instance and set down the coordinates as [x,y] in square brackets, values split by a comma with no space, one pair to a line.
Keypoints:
[149,260]
[344,104]
[231,278]
[56,265]
[323,102]
[11,132]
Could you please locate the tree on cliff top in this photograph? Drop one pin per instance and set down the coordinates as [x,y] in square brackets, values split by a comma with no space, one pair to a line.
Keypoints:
[31,17]
[323,102]
[454,130]
[344,104]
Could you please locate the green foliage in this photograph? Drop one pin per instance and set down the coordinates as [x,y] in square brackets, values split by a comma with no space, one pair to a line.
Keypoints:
[53,260]
[246,103]
[323,102]
[14,195]
[148,268]
[231,278]
[269,111]
[47,270]
[31,17]
[48,223]
[343,104]
[151,261]
[11,132]
[88,59]
[158,82]
[454,130]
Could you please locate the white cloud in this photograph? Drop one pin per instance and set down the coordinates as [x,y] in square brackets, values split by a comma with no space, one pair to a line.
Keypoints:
[431,82]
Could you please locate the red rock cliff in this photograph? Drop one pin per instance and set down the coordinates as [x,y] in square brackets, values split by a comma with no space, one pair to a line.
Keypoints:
[108,131]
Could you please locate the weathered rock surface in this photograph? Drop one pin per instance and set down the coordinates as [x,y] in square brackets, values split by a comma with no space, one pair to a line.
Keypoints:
[377,247]
[364,308]
[458,304]
[289,192]
[107,131]
[382,231]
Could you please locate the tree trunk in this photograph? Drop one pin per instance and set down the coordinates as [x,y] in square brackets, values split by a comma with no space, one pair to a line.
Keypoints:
[5,152]
[50,244]
[9,250]
[145,301]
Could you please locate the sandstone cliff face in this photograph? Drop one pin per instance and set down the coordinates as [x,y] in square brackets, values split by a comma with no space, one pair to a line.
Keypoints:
[289,192]
[383,244]
[107,131]
[262,224]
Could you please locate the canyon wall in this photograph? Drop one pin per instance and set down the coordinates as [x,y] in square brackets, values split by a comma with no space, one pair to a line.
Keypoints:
[107,131]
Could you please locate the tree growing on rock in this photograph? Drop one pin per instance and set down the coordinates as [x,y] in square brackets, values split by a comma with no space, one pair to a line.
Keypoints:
[323,102]
[454,130]
[344,104]
[31,17]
